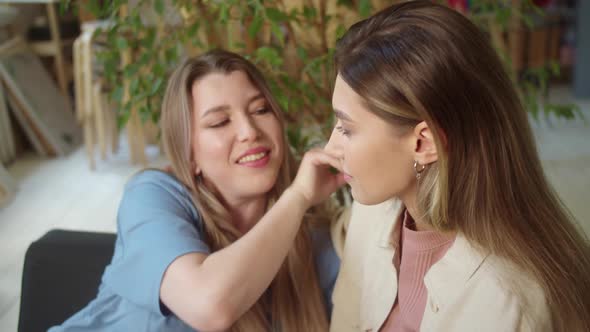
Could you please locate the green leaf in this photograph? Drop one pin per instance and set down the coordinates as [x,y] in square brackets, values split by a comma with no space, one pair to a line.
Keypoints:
[149,39]
[159,7]
[155,117]
[136,23]
[98,32]
[93,6]
[567,111]
[139,97]
[121,44]
[302,53]
[279,34]
[289,82]
[365,8]
[527,21]
[294,15]
[122,119]
[294,137]
[156,85]
[144,113]
[309,12]
[171,54]
[110,65]
[283,102]
[340,31]
[269,55]
[193,29]
[144,59]
[275,15]
[117,94]
[346,3]
[224,13]
[134,85]
[149,77]
[555,68]
[198,43]
[240,45]
[64,6]
[130,70]
[159,70]
[255,26]
[502,16]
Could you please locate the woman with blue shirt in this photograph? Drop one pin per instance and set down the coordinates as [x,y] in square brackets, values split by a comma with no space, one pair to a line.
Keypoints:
[229,238]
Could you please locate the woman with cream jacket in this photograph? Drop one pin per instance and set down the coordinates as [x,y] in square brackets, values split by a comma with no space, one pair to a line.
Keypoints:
[455,227]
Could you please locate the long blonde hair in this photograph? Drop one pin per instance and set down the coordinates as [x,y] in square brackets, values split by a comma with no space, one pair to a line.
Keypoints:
[295,300]
[418,61]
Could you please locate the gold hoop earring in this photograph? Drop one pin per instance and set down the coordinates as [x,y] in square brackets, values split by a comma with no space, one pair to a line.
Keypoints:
[418,171]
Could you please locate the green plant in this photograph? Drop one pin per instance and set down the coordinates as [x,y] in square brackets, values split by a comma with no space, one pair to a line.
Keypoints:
[511,18]
[291,41]
[292,44]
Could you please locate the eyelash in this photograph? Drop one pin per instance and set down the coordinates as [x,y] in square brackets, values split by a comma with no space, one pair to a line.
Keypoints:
[343,131]
[263,110]
[220,124]
[260,111]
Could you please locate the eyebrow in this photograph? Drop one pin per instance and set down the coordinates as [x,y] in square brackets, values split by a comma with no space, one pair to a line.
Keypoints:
[255,98]
[222,108]
[342,116]
[215,109]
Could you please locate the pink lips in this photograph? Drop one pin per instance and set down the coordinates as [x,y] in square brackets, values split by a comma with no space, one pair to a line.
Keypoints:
[347,177]
[262,162]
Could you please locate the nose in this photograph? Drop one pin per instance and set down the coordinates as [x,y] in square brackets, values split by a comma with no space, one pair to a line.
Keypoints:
[334,145]
[247,129]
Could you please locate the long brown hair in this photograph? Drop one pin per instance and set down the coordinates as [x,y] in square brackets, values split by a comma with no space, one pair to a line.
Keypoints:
[418,61]
[295,301]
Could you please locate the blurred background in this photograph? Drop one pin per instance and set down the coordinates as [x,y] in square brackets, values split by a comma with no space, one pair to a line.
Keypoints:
[81,84]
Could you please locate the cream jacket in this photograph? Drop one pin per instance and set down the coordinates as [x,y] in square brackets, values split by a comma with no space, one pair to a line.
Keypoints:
[466,288]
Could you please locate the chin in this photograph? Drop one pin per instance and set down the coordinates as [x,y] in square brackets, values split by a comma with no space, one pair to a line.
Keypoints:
[259,186]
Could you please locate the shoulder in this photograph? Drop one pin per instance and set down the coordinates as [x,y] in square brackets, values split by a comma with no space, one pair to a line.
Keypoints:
[518,286]
[152,184]
[475,289]
[508,293]
[152,194]
[156,178]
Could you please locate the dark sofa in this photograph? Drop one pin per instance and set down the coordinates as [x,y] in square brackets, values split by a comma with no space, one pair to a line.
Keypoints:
[61,274]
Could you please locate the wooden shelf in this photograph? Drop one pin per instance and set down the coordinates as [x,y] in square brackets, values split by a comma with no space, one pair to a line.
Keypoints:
[49,47]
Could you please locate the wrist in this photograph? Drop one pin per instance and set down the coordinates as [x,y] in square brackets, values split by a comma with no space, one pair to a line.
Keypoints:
[298,197]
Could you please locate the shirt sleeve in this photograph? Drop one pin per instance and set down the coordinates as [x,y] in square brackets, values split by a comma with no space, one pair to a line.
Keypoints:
[157,223]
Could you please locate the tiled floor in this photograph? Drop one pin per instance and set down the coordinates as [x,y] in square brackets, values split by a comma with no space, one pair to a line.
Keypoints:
[64,193]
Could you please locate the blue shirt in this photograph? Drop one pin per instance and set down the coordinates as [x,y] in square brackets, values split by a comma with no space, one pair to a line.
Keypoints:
[157,222]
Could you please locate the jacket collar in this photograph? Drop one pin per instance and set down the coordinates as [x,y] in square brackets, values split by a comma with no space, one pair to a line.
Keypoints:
[453,271]
[442,281]
[380,277]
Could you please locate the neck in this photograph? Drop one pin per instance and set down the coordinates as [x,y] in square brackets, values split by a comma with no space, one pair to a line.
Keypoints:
[246,213]
[409,200]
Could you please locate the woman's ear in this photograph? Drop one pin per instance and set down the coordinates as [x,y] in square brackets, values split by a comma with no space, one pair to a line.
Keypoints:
[425,148]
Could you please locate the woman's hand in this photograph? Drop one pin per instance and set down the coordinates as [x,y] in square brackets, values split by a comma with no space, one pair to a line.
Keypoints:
[315,179]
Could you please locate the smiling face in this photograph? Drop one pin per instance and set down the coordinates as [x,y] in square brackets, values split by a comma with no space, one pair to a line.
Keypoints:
[238,139]
[376,156]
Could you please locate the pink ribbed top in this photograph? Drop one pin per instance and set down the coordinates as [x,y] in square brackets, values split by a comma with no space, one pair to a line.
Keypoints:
[418,251]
